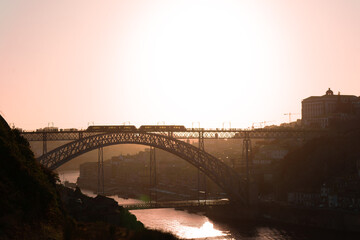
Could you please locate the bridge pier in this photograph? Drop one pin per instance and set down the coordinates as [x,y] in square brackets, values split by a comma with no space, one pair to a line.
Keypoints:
[201,177]
[153,182]
[246,154]
[100,187]
[44,140]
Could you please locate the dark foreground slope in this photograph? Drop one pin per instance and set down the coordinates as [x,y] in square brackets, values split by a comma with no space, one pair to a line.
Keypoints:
[33,206]
[30,207]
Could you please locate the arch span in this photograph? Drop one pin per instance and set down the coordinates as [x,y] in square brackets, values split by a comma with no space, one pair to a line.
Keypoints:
[223,175]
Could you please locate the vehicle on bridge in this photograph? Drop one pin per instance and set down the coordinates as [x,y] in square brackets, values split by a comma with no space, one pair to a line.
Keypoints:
[69,130]
[162,128]
[111,128]
[48,129]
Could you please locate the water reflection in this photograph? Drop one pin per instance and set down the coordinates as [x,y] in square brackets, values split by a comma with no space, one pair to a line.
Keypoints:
[196,226]
[183,224]
[205,231]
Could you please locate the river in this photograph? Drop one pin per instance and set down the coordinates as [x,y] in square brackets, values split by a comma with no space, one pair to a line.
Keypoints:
[197,226]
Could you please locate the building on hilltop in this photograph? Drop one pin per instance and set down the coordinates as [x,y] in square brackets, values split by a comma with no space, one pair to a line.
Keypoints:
[320,111]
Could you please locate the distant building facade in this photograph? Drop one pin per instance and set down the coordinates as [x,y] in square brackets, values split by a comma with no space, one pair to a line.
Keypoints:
[320,111]
[268,154]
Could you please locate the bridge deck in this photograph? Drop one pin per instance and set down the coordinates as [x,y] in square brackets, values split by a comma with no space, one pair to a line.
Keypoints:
[176,204]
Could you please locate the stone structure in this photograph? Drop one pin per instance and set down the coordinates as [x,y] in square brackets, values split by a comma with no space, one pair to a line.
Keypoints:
[321,111]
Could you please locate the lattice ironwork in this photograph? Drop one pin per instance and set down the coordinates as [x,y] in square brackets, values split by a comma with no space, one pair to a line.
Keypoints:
[223,175]
[189,134]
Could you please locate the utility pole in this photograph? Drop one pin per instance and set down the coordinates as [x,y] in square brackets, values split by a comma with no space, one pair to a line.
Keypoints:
[290,114]
[224,124]
[192,124]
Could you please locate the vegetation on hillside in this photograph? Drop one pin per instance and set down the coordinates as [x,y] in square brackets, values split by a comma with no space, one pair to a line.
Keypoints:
[31,206]
[319,161]
[29,199]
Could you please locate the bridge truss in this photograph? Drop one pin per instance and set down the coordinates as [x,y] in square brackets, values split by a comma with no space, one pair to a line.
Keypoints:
[219,172]
[193,133]
[223,175]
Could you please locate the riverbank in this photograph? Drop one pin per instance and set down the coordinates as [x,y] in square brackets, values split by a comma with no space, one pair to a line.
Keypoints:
[333,219]
[322,219]
[104,215]
[220,222]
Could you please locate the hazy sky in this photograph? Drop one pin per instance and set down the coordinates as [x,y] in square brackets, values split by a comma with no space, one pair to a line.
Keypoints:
[109,62]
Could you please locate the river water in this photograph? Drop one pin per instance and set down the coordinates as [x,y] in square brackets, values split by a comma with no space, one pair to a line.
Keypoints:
[187,225]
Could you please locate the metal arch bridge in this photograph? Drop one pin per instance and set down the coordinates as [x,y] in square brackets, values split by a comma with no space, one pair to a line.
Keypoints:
[177,204]
[193,133]
[223,175]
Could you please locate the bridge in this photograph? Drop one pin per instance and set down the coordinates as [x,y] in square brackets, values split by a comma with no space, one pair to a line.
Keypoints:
[192,133]
[176,204]
[171,141]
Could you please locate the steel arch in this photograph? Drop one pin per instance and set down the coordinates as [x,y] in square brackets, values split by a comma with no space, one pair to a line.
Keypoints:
[223,175]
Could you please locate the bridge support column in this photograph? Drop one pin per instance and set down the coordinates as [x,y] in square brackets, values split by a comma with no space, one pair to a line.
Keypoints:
[100,188]
[200,175]
[246,154]
[44,143]
[80,135]
[153,182]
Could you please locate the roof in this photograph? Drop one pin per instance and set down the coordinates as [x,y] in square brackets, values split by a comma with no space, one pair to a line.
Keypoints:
[329,97]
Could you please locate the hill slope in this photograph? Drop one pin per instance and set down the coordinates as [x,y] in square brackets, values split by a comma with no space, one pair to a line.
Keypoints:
[31,205]
[29,199]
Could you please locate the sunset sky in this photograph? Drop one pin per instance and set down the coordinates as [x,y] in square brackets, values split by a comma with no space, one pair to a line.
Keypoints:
[148,61]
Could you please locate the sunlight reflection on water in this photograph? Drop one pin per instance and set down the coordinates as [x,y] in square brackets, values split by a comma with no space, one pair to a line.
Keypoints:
[182,224]
[205,231]
[196,226]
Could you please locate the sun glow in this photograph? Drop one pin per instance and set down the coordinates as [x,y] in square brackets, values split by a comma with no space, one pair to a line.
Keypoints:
[217,55]
[172,61]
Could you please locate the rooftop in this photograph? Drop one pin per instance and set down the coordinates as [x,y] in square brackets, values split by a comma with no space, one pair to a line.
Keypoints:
[329,95]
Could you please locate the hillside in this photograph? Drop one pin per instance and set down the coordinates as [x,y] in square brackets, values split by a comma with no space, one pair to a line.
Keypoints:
[320,161]
[29,204]
[32,205]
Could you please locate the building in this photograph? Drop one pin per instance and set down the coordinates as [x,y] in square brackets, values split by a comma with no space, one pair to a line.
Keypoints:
[268,154]
[320,111]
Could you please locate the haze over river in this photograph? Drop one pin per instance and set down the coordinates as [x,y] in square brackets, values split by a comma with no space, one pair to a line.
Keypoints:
[197,226]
